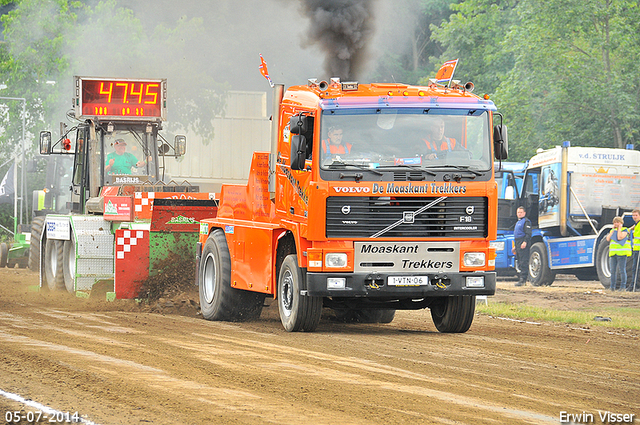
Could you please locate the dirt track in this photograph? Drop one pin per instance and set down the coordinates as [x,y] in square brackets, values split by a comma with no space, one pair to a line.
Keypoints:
[119,363]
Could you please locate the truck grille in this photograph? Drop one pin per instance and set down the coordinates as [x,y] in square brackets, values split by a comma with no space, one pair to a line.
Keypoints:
[364,217]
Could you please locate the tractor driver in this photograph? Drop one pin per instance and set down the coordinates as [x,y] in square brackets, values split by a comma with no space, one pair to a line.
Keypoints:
[120,162]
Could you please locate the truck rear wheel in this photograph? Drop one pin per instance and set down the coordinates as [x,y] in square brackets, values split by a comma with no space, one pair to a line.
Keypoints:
[297,312]
[453,314]
[4,254]
[53,256]
[539,272]
[69,264]
[218,300]
[34,245]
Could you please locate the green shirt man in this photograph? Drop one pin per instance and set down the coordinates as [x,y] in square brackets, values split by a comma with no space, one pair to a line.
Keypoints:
[120,162]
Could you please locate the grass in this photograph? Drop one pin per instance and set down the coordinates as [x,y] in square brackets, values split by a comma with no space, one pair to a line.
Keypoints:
[621,317]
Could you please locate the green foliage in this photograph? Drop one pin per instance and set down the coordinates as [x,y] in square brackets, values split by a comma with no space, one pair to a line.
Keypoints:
[475,34]
[558,70]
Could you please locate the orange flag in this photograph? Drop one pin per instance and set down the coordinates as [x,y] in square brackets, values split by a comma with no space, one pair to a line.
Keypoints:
[445,73]
[263,70]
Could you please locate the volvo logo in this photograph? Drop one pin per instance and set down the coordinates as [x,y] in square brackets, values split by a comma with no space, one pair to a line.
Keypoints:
[346,209]
[408,217]
[470,209]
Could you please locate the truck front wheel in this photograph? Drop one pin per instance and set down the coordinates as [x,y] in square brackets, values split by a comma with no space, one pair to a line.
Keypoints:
[53,255]
[539,272]
[453,314]
[218,300]
[297,312]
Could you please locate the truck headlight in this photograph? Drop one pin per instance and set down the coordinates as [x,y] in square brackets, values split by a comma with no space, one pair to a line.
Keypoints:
[335,260]
[497,245]
[474,259]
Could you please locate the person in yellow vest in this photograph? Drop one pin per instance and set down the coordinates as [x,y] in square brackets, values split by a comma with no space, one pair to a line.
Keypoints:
[619,251]
[635,242]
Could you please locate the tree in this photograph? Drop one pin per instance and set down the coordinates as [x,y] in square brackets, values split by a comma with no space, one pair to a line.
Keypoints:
[475,33]
[576,74]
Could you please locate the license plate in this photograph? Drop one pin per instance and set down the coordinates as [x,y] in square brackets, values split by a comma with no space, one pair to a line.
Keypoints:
[408,280]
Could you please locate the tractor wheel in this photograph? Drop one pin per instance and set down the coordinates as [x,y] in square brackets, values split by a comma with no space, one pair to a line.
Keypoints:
[34,248]
[4,254]
[218,300]
[365,315]
[297,312]
[53,256]
[539,272]
[69,264]
[453,314]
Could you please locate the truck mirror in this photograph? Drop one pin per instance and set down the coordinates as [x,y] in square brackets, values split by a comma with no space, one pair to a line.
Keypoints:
[45,142]
[500,142]
[299,124]
[298,151]
[180,145]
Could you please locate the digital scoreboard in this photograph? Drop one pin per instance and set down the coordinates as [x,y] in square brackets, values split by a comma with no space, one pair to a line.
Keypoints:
[120,98]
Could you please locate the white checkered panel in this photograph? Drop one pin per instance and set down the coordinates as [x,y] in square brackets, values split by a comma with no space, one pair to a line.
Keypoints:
[129,238]
[143,199]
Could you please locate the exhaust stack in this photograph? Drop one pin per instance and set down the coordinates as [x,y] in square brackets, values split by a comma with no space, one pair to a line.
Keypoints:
[278,95]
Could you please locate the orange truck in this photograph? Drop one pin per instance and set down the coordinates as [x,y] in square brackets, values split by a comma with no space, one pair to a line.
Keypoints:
[398,218]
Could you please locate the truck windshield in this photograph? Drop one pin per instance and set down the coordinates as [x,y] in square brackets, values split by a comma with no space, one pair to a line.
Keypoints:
[127,152]
[405,137]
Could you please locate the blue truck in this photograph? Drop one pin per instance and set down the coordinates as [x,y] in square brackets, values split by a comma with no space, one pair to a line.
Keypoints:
[571,195]
[509,177]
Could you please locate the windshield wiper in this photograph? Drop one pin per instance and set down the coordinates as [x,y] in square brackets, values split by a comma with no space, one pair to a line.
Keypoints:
[413,167]
[457,167]
[358,166]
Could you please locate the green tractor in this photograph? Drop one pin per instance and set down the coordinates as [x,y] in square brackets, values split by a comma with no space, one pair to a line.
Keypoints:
[24,250]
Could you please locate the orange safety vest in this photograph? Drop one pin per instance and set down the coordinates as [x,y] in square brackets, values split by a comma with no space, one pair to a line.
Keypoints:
[447,145]
[336,149]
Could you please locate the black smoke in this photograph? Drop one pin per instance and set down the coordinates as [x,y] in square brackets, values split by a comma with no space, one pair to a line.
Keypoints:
[342,29]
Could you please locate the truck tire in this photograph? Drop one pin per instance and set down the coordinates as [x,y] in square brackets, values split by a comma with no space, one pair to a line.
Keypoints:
[34,247]
[365,315]
[453,314]
[218,300]
[53,257]
[602,265]
[69,264]
[297,312]
[4,254]
[539,272]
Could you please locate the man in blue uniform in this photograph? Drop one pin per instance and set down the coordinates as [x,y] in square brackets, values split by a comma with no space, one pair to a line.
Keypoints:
[522,236]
